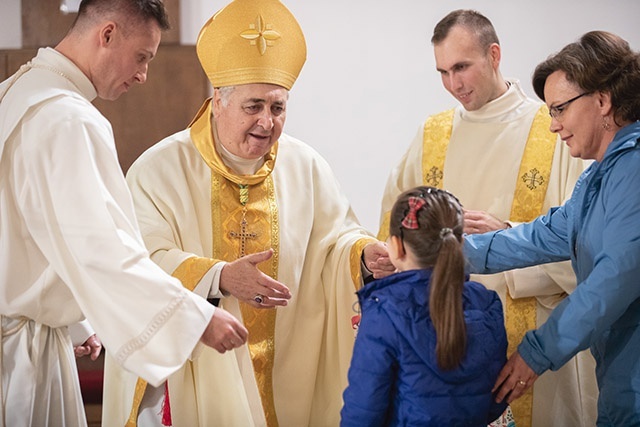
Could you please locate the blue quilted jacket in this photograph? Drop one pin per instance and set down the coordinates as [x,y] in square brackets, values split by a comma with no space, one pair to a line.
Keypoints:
[394,378]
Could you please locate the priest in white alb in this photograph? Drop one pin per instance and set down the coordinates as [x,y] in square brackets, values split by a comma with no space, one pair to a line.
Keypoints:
[243,213]
[70,246]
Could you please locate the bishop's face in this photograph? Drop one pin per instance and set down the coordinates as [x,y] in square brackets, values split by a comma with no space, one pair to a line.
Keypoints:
[249,118]
[124,57]
[469,72]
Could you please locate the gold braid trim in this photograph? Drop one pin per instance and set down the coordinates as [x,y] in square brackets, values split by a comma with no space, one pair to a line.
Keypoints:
[383,233]
[355,257]
[141,386]
[528,201]
[192,270]
[436,136]
[261,214]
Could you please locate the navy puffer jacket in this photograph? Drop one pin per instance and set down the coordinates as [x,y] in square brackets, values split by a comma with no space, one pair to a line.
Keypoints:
[394,379]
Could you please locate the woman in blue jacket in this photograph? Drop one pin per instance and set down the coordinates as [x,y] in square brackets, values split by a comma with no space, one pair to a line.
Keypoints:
[430,344]
[592,88]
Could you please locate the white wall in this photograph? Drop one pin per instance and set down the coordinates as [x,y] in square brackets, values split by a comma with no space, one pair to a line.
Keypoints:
[10,24]
[370,77]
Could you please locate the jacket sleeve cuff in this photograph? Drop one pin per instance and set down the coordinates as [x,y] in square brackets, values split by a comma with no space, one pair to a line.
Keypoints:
[530,351]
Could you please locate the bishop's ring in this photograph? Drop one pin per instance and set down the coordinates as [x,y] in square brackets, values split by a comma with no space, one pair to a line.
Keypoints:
[258,298]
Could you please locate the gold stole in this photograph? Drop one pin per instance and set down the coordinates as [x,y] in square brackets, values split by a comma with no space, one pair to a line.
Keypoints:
[262,219]
[528,200]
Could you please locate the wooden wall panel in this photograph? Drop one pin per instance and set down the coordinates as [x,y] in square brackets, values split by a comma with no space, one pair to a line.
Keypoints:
[43,24]
[176,87]
[15,58]
[4,71]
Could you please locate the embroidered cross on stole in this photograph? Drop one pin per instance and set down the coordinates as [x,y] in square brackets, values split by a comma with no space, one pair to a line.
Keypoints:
[528,200]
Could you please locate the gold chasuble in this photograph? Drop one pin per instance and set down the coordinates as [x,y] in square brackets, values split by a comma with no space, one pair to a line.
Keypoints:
[530,190]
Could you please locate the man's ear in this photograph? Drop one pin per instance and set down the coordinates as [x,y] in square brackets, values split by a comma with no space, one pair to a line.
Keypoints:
[107,33]
[216,103]
[495,52]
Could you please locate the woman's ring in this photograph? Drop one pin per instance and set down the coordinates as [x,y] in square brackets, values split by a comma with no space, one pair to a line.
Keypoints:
[259,298]
[522,383]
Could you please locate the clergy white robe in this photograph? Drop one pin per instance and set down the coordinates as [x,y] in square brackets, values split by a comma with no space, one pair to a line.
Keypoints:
[70,244]
[317,233]
[481,168]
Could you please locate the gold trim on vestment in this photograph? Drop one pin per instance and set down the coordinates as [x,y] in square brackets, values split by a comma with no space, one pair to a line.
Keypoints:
[262,218]
[436,136]
[528,202]
[355,260]
[383,233]
[138,394]
[191,271]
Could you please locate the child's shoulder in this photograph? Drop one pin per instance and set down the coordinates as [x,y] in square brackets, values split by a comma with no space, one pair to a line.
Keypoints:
[397,290]
[479,293]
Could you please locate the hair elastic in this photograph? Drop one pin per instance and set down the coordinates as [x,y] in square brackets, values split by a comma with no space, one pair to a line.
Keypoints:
[444,231]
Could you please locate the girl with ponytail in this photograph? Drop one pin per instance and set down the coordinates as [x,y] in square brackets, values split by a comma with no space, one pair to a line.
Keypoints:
[430,343]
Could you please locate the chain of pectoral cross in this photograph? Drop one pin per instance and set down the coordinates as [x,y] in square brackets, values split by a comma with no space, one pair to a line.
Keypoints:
[243,234]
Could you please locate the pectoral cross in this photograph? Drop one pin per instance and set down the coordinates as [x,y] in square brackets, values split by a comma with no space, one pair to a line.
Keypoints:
[243,235]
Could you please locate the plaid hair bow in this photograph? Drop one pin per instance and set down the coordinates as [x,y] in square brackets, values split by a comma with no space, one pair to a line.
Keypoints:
[410,221]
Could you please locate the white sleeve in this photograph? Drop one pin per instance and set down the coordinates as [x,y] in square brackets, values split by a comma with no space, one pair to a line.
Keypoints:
[80,332]
[79,211]
[209,285]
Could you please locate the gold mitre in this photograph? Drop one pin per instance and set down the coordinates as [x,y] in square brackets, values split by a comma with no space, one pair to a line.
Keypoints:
[252,41]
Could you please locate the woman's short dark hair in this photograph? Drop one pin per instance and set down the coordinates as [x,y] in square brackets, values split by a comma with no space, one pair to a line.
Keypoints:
[598,62]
